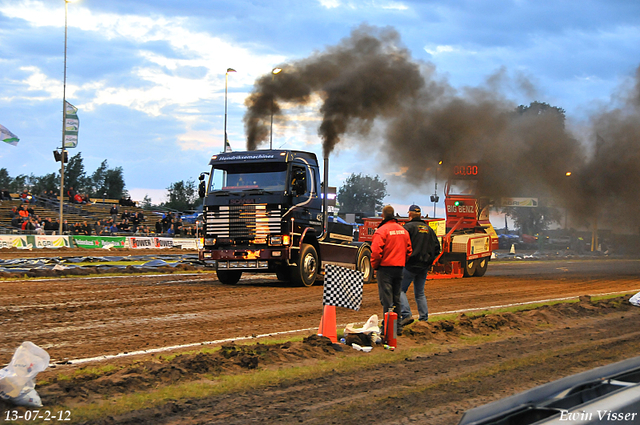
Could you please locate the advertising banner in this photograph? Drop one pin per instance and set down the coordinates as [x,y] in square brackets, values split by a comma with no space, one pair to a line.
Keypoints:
[151,242]
[71,126]
[164,242]
[18,241]
[186,243]
[141,242]
[44,241]
[520,202]
[95,242]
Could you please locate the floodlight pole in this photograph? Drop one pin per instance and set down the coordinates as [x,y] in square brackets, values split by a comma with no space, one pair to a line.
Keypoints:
[64,118]
[274,71]
[226,80]
[435,193]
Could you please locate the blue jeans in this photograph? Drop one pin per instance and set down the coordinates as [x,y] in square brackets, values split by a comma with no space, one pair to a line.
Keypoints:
[418,280]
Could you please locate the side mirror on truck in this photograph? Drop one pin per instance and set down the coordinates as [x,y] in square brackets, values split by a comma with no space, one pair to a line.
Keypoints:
[202,188]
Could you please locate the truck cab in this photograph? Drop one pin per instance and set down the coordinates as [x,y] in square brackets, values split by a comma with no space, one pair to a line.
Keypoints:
[263,212]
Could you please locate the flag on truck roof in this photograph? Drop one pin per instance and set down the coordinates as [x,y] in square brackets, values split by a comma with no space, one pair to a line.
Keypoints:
[8,137]
[343,287]
[227,146]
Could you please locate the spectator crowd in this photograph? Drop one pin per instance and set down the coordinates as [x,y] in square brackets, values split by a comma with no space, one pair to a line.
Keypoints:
[24,217]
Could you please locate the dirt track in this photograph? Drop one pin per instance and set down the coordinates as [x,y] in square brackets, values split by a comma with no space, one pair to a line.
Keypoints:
[76,318]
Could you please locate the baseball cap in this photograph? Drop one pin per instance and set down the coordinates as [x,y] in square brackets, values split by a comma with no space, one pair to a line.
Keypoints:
[414,208]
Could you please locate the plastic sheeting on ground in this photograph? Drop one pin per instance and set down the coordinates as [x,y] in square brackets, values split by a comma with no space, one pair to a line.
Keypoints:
[18,265]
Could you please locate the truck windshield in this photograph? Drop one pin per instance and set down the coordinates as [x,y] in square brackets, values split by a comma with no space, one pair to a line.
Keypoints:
[272,179]
[462,187]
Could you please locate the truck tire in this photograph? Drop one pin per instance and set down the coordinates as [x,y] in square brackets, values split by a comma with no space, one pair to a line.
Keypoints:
[227,277]
[306,271]
[364,265]
[481,266]
[469,268]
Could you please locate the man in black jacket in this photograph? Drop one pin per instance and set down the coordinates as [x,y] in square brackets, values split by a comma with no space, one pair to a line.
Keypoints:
[114,213]
[425,249]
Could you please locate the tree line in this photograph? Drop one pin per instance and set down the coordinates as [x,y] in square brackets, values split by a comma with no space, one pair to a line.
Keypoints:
[103,182]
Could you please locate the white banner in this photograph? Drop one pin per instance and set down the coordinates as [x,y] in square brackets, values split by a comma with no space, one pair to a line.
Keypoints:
[52,241]
[164,242]
[135,242]
[142,242]
[519,202]
[13,241]
[190,243]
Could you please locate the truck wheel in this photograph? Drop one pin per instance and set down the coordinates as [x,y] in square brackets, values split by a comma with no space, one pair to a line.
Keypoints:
[305,273]
[364,265]
[229,277]
[481,266]
[469,268]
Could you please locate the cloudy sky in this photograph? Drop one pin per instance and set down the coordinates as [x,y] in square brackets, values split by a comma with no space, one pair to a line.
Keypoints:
[148,76]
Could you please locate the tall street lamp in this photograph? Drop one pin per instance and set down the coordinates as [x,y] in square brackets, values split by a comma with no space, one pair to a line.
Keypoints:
[434,197]
[566,210]
[64,114]
[226,80]
[274,72]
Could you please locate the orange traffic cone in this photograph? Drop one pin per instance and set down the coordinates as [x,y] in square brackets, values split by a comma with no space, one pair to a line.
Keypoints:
[328,325]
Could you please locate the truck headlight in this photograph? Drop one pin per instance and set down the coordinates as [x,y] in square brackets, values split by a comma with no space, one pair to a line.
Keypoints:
[279,240]
[209,241]
[275,240]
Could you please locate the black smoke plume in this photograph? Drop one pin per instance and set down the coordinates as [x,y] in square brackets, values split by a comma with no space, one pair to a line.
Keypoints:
[370,78]
[363,79]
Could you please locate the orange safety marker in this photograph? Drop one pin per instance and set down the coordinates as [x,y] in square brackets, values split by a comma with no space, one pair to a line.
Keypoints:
[328,325]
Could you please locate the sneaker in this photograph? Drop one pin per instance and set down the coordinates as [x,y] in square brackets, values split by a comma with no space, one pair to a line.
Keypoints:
[406,321]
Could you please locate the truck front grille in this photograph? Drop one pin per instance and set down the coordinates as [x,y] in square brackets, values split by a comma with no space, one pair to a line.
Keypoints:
[242,222]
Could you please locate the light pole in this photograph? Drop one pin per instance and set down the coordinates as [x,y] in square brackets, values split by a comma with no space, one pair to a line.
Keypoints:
[566,210]
[274,72]
[226,79]
[434,197]
[64,115]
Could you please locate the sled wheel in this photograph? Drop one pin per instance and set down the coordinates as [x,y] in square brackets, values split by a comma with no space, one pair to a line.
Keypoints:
[306,271]
[469,268]
[364,265]
[229,277]
[481,266]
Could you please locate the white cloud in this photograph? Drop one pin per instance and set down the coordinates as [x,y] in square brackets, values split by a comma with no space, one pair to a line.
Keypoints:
[157,195]
[200,140]
[330,4]
[163,87]
[386,5]
[394,5]
[443,49]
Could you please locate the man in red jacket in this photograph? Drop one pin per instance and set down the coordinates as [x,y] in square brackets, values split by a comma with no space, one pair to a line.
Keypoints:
[391,246]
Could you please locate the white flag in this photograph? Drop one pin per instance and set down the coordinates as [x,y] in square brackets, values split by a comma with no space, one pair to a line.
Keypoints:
[8,137]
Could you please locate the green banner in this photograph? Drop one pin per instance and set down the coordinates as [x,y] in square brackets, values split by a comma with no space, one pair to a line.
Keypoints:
[95,242]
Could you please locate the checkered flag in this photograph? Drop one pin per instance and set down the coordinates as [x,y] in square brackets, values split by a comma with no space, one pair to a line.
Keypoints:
[342,287]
